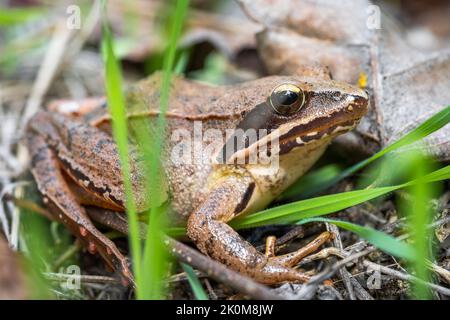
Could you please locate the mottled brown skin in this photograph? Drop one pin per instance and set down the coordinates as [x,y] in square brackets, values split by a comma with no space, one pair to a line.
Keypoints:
[75,163]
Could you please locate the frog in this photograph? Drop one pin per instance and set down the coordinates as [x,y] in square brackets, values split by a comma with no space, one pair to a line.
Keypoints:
[75,161]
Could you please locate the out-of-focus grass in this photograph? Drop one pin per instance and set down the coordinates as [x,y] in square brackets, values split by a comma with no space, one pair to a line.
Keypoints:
[36,244]
[196,286]
[13,16]
[154,246]
[42,242]
[417,207]
[319,206]
[116,104]
[149,267]
[19,45]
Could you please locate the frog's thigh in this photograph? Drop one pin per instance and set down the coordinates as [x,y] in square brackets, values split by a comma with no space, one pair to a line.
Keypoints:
[207,227]
[62,202]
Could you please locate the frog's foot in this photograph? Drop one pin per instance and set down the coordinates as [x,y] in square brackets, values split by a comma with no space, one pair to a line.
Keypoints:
[293,258]
[62,202]
[208,228]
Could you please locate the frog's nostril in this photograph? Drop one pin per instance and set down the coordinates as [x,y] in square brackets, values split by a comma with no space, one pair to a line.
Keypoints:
[360,102]
[363,94]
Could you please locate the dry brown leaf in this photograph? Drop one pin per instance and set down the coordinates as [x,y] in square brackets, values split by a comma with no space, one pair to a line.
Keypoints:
[406,85]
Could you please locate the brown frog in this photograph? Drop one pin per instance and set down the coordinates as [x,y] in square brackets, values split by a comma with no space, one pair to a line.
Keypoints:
[75,162]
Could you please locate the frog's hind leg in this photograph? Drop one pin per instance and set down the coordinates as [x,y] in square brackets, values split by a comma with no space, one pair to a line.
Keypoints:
[60,200]
[293,258]
[207,227]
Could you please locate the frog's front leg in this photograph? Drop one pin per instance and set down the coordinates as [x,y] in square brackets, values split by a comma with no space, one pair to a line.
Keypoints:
[63,204]
[208,228]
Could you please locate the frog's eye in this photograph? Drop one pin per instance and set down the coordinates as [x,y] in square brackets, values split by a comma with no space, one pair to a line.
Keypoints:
[287,99]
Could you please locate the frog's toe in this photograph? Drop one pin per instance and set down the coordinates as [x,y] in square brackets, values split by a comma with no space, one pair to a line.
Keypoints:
[279,269]
[291,259]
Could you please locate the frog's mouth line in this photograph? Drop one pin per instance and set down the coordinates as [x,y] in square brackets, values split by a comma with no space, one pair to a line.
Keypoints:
[323,127]
[283,139]
[291,140]
[299,136]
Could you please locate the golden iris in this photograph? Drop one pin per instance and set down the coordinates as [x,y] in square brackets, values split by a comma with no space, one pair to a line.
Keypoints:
[287,99]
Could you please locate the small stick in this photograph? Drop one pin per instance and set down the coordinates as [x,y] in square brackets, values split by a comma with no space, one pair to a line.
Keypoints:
[211,292]
[361,293]
[219,272]
[297,232]
[47,70]
[345,275]
[61,277]
[29,205]
[182,276]
[328,272]
[405,276]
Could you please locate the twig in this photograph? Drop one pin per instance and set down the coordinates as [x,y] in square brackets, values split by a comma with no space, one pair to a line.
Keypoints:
[345,275]
[5,223]
[212,294]
[11,234]
[56,54]
[182,276]
[312,285]
[219,272]
[296,232]
[82,36]
[15,224]
[61,277]
[361,293]
[443,273]
[405,277]
[30,205]
[47,70]
[328,272]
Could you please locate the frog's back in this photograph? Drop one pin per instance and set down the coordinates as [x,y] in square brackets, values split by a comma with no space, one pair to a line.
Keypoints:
[199,101]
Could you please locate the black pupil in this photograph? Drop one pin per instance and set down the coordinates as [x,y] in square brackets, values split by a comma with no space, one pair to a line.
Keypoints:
[286,97]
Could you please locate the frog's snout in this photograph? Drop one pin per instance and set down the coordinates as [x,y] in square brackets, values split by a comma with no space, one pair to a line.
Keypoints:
[358,102]
[361,94]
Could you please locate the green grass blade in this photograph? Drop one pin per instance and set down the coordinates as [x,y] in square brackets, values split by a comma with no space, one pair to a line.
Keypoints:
[116,105]
[429,126]
[292,212]
[419,213]
[153,245]
[37,241]
[295,211]
[12,16]
[377,238]
[196,286]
